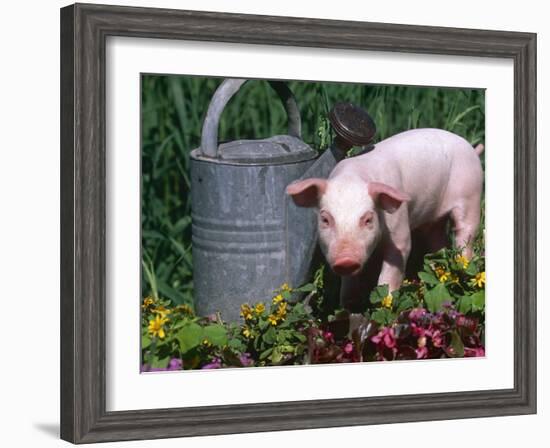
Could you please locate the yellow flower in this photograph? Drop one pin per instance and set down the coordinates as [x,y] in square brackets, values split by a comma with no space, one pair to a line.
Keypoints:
[407,282]
[260,308]
[163,311]
[247,332]
[463,261]
[207,343]
[272,319]
[184,308]
[156,326]
[285,287]
[281,310]
[387,301]
[442,274]
[147,302]
[479,280]
[278,298]
[246,311]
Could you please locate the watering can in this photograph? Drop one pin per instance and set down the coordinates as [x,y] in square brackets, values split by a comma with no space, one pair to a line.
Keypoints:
[248,237]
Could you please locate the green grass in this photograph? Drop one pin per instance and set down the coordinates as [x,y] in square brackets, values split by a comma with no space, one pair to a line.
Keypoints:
[173,108]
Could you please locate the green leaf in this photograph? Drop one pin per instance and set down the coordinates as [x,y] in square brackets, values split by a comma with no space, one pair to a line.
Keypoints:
[160,363]
[404,304]
[216,334]
[308,287]
[478,301]
[276,356]
[266,353]
[461,115]
[428,278]
[168,291]
[190,336]
[300,337]
[464,304]
[378,294]
[145,341]
[472,268]
[236,344]
[456,349]
[270,335]
[286,348]
[436,296]
[383,316]
[263,324]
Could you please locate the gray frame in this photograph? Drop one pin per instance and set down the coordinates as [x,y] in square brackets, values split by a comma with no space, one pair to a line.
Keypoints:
[84,29]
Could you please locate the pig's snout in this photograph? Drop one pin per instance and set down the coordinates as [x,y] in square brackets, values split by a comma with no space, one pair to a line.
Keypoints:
[346,266]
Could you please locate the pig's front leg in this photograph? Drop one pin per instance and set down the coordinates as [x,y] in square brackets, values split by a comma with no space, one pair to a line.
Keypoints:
[396,248]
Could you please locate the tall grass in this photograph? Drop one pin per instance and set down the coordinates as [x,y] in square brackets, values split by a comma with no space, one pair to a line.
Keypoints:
[173,108]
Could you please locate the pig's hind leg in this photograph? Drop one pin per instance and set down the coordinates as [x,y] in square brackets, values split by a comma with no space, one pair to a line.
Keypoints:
[465,217]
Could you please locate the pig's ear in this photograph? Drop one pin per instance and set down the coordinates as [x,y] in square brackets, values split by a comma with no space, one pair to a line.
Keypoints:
[386,197]
[307,192]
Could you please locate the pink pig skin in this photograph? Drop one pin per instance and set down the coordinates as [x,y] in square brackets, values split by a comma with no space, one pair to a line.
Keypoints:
[413,181]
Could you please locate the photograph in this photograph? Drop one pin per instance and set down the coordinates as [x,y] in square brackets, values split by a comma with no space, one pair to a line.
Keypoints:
[273,219]
[296,222]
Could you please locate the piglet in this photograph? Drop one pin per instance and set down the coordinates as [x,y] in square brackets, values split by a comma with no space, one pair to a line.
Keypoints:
[413,181]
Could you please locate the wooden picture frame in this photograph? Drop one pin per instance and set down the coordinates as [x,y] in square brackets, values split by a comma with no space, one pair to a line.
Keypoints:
[84,29]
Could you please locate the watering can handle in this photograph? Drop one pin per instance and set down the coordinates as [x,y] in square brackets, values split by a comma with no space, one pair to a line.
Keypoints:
[225,91]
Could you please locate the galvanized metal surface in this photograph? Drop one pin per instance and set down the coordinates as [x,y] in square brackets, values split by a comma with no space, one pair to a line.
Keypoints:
[241,225]
[222,95]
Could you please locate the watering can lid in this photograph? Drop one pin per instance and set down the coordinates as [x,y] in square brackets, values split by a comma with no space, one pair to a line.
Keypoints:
[279,149]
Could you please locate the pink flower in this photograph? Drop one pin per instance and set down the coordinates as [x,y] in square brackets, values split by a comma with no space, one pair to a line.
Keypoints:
[437,338]
[328,336]
[385,337]
[421,352]
[474,352]
[348,348]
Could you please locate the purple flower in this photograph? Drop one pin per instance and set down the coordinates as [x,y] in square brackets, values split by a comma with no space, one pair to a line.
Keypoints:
[417,313]
[215,364]
[175,364]
[246,360]
[148,368]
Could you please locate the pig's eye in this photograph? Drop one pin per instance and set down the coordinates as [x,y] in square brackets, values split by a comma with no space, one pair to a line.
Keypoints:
[367,218]
[326,219]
